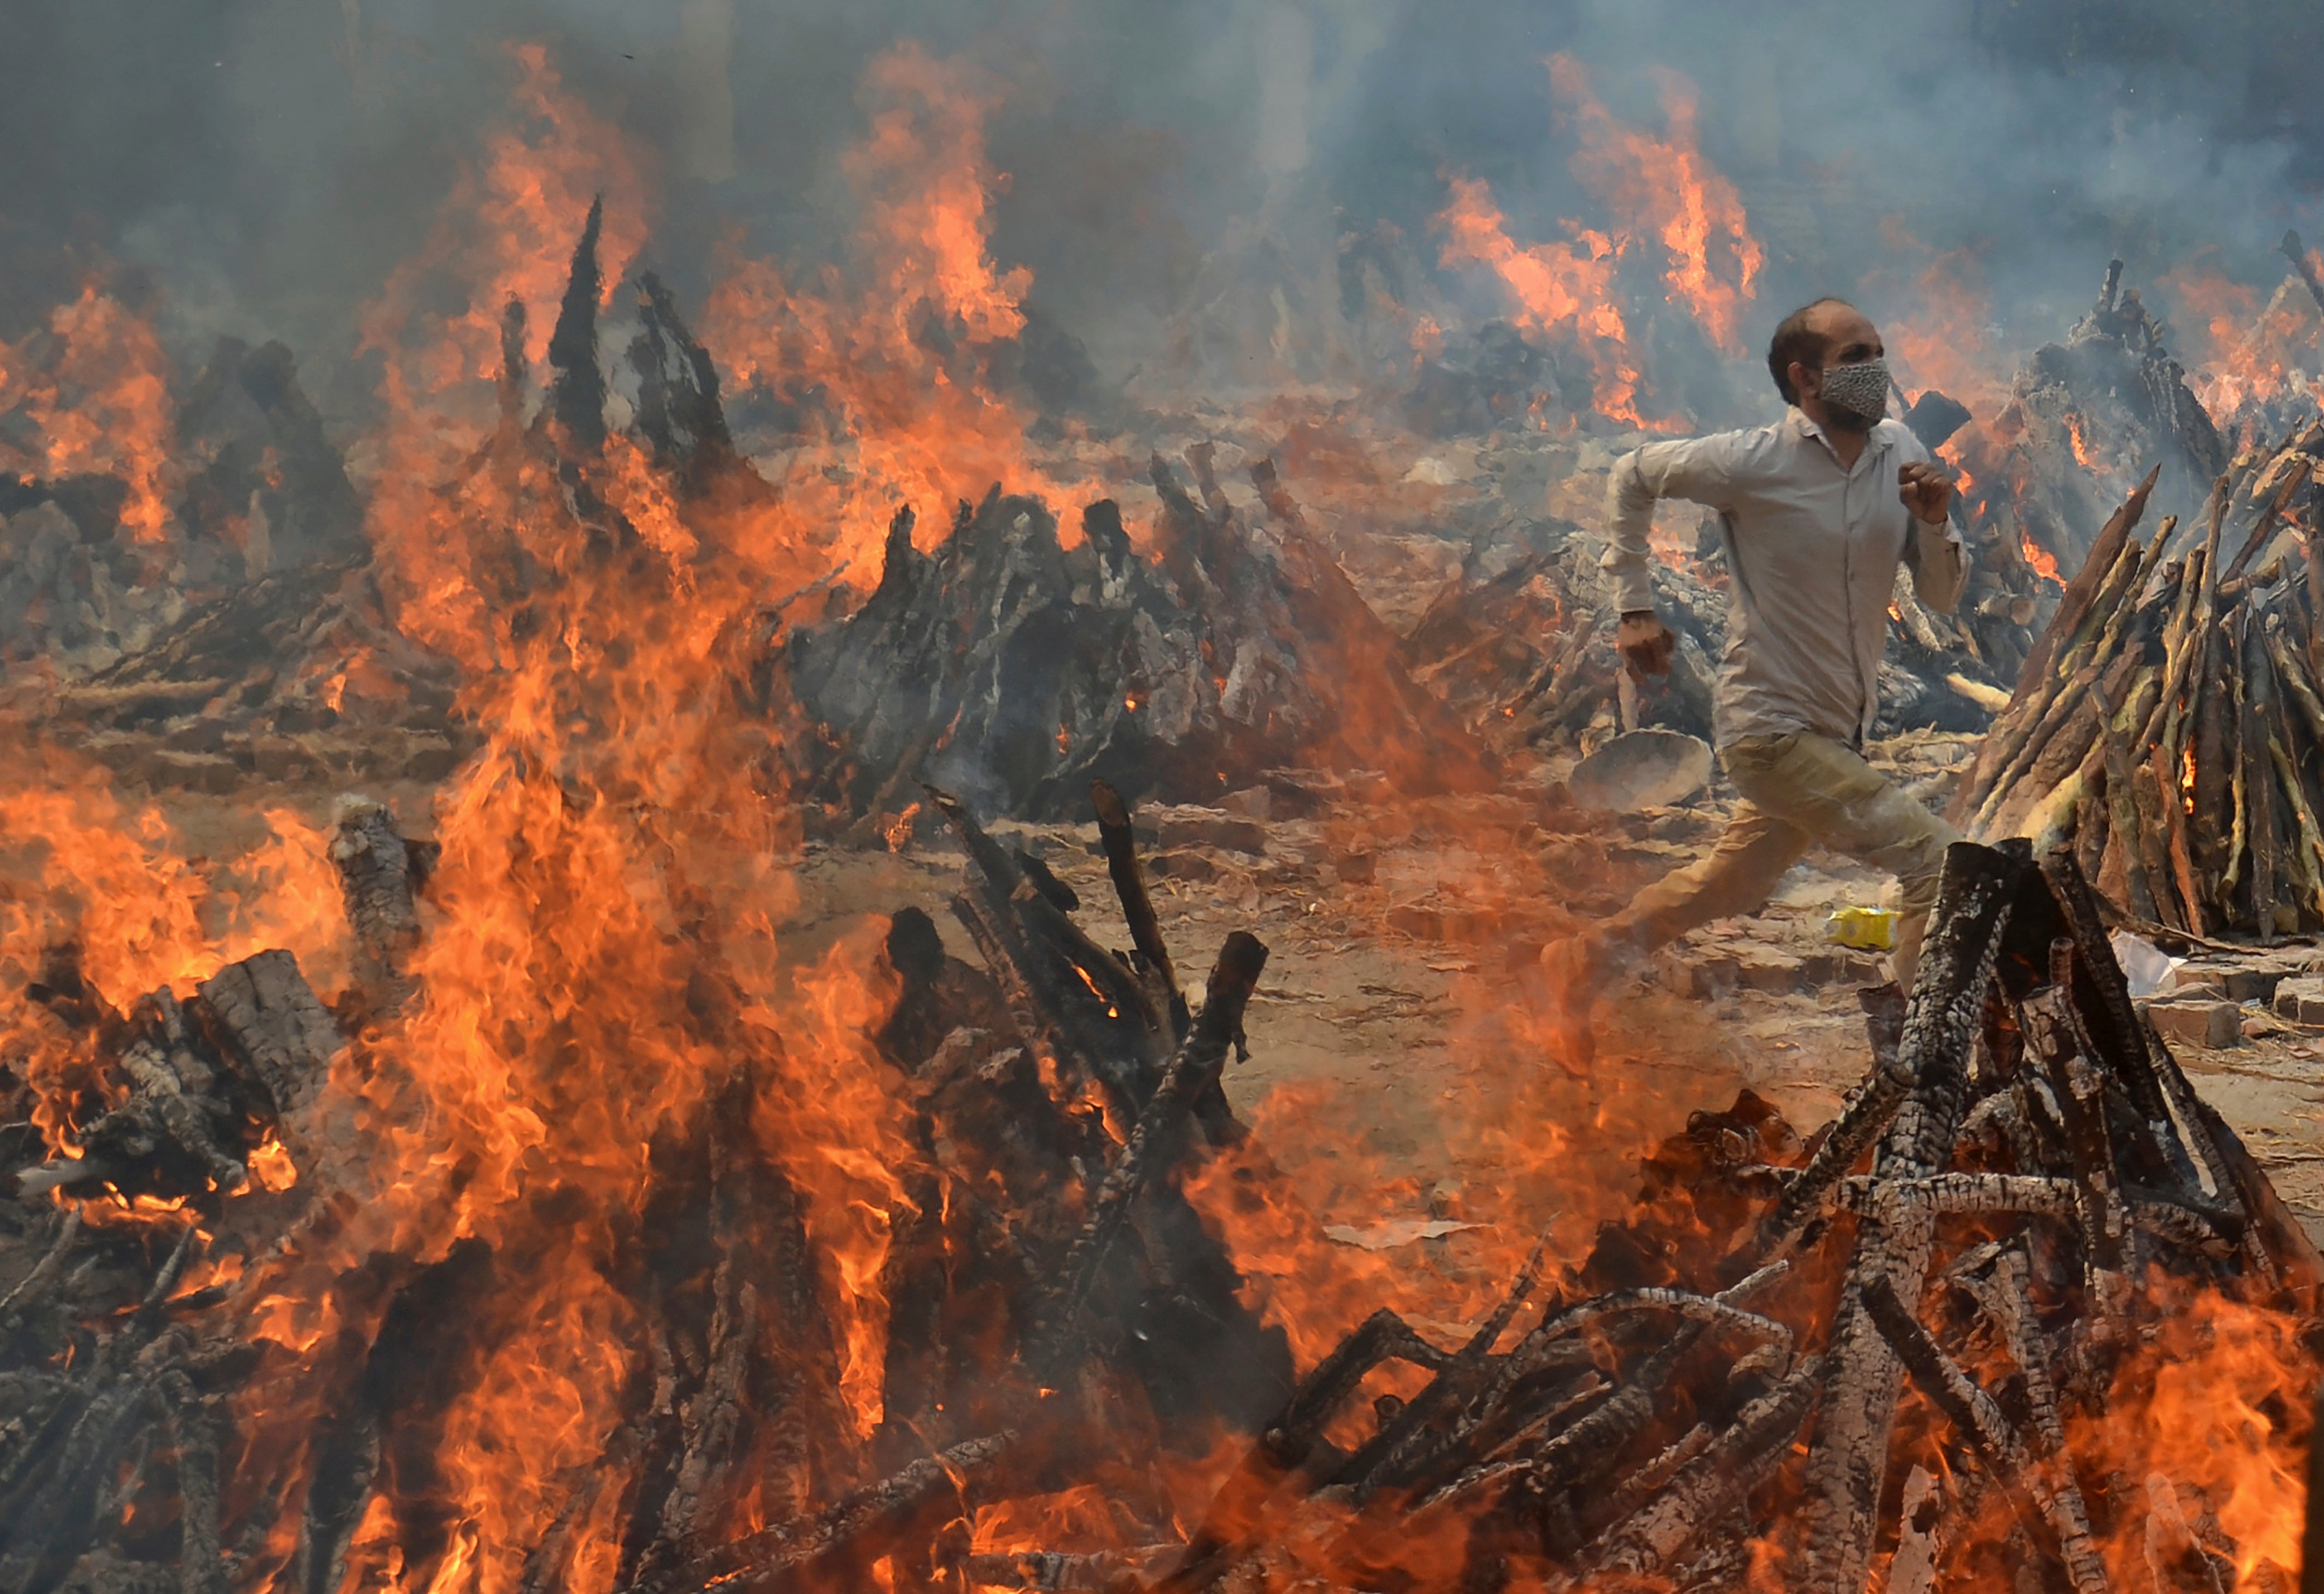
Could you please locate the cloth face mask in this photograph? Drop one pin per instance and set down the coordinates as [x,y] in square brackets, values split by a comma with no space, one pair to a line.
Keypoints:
[1861,389]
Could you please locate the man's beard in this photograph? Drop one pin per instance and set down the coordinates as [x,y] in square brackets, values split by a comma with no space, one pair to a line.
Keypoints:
[1838,419]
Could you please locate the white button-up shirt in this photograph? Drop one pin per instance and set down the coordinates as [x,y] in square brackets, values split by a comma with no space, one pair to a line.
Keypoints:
[1812,553]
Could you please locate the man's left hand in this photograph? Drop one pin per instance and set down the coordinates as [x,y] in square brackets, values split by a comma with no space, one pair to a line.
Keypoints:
[1926,490]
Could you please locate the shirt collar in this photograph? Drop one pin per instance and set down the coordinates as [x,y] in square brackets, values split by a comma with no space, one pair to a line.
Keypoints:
[1807,430]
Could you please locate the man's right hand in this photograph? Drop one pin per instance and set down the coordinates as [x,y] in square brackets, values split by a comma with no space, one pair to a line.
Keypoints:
[1644,643]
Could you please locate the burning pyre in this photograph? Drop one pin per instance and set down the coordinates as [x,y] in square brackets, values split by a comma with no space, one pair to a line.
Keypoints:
[587,1236]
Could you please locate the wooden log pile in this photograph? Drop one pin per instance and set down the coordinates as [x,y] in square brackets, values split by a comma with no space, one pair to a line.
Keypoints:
[1017,670]
[2169,723]
[1877,1342]
[300,674]
[1971,1258]
[1057,1287]
[2085,416]
[253,485]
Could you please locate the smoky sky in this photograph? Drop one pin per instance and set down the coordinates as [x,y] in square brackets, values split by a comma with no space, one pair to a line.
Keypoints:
[264,163]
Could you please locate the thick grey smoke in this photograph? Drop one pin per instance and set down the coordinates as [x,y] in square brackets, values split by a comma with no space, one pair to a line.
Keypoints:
[268,162]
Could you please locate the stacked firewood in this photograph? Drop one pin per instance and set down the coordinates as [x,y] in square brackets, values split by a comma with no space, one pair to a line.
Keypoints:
[131,1451]
[2169,723]
[2013,1204]
[2042,1180]
[1015,669]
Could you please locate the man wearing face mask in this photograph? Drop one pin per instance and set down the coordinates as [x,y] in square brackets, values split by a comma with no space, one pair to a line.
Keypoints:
[1816,512]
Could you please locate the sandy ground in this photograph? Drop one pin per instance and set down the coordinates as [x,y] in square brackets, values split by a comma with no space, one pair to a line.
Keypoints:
[1385,1073]
[1378,1014]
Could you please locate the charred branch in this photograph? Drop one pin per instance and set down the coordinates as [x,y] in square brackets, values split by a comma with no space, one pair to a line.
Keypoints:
[577,391]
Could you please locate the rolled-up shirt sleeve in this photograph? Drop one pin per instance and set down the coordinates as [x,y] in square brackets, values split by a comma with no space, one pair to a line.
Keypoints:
[1697,469]
[1939,563]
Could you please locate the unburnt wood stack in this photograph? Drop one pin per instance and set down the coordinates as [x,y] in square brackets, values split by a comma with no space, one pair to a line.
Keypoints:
[2169,723]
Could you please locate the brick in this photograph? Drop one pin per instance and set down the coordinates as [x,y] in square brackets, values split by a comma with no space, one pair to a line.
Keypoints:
[2255,983]
[2301,999]
[1207,827]
[1765,969]
[1703,977]
[2212,1024]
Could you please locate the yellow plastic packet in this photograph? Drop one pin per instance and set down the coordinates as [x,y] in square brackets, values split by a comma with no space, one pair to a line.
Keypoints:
[1864,929]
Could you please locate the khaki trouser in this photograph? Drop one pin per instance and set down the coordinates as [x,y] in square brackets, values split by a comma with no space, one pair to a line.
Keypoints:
[1799,791]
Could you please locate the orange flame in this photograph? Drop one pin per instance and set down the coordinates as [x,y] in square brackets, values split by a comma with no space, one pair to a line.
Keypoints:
[2044,564]
[1557,287]
[506,232]
[1664,189]
[101,405]
[1937,331]
[2240,353]
[1662,192]
[905,410]
[2078,438]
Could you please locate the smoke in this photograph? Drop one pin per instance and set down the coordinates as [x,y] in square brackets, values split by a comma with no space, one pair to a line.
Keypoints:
[264,165]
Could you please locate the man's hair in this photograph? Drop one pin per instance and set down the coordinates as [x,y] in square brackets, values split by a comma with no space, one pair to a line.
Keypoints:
[1796,342]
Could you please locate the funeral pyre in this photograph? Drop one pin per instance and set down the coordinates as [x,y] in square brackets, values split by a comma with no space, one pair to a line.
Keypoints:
[582,1242]
[516,1209]
[891,1281]
[2168,722]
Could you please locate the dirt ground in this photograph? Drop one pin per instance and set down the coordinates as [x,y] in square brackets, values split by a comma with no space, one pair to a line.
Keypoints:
[1386,1074]
[1378,1011]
